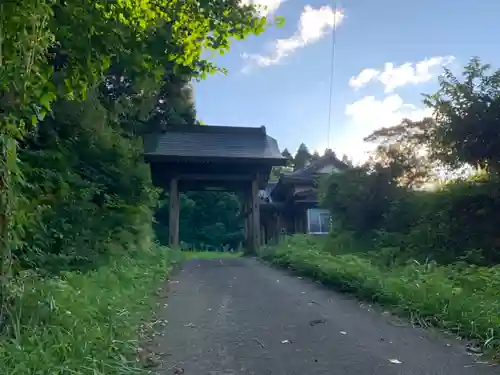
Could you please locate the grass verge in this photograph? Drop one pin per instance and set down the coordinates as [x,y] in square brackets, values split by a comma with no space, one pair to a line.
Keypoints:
[464,300]
[83,323]
[211,254]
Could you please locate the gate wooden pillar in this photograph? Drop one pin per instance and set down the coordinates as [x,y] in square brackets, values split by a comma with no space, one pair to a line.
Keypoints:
[277,232]
[245,209]
[254,217]
[174,211]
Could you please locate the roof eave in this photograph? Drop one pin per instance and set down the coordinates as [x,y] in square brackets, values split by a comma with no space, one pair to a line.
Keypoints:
[162,158]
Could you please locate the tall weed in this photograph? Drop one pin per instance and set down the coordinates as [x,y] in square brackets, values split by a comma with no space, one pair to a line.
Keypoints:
[82,323]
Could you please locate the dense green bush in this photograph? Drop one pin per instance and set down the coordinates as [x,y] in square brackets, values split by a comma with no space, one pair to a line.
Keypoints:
[86,188]
[462,299]
[457,221]
[83,323]
[360,199]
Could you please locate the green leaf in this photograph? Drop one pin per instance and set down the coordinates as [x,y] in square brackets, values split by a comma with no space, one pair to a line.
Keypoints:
[47,99]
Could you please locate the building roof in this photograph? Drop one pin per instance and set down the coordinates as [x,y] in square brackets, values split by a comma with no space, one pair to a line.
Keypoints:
[309,172]
[212,142]
[304,176]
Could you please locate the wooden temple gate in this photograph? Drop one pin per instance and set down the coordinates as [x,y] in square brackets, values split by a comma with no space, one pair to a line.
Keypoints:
[236,159]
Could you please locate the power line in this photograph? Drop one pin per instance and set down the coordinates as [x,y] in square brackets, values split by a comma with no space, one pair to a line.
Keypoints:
[332,67]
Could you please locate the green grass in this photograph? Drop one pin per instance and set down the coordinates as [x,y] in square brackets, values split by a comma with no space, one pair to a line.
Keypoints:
[83,323]
[211,254]
[461,299]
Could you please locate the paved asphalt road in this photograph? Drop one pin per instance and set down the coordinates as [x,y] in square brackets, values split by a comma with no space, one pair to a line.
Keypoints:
[239,316]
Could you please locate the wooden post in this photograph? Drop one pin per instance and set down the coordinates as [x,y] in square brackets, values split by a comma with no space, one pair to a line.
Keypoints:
[246,243]
[249,223]
[174,213]
[277,228]
[255,218]
[262,235]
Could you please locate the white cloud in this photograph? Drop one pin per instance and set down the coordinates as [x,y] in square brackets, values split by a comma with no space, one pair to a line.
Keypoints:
[408,73]
[389,111]
[313,25]
[369,114]
[363,78]
[264,7]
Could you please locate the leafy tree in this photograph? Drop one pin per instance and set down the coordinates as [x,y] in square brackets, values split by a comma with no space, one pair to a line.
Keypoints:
[277,171]
[315,156]
[87,187]
[403,150]
[302,157]
[72,108]
[347,161]
[288,156]
[467,113]
[329,151]
[360,196]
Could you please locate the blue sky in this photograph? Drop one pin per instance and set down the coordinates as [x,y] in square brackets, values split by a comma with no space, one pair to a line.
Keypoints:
[285,85]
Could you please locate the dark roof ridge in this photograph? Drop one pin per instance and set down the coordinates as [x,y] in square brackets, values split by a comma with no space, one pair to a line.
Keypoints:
[215,129]
[316,164]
